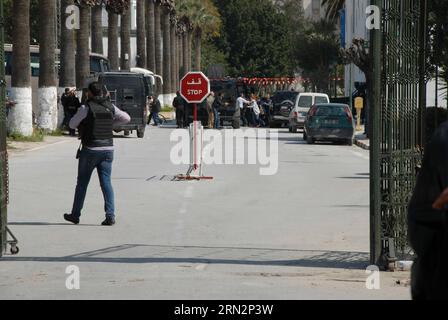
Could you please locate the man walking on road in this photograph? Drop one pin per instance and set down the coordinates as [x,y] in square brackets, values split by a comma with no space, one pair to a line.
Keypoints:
[178,104]
[95,121]
[428,222]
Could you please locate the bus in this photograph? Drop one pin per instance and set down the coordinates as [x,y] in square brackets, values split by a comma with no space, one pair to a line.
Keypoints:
[98,64]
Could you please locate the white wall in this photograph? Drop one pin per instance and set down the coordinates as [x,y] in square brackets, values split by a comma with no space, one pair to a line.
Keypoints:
[355,27]
[313,14]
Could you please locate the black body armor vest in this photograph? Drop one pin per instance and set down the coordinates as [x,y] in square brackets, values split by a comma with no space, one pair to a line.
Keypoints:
[98,126]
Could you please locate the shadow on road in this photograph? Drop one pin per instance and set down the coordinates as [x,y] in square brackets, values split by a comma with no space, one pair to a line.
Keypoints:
[145,254]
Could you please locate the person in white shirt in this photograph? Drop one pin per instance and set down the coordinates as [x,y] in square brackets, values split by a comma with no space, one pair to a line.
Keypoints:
[256,111]
[240,109]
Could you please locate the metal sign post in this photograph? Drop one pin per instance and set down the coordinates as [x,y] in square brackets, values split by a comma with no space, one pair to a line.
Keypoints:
[195,88]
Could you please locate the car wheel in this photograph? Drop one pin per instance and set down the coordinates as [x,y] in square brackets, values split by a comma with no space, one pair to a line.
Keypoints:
[309,140]
[350,142]
[141,133]
[127,133]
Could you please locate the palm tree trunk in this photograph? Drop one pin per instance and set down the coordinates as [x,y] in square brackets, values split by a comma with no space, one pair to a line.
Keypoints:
[173,56]
[141,34]
[150,37]
[198,49]
[97,29]
[185,53]
[166,25]
[112,41]
[67,78]
[20,117]
[47,94]
[189,51]
[179,59]
[125,36]
[82,50]
[158,42]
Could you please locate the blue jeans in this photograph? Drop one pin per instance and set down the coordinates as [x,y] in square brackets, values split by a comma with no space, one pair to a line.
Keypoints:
[216,114]
[88,161]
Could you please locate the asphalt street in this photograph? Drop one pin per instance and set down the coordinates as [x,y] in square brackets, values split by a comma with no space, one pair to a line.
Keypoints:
[302,233]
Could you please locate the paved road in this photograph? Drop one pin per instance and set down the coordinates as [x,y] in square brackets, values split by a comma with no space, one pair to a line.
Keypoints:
[300,234]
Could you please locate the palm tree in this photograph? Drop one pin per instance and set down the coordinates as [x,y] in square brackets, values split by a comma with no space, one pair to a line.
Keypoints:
[97,29]
[67,77]
[112,40]
[158,40]
[20,118]
[204,20]
[141,34]
[333,8]
[82,44]
[47,93]
[125,37]
[173,53]
[150,36]
[166,25]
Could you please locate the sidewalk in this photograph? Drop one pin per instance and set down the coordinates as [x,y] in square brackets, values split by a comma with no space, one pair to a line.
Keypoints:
[361,140]
[18,147]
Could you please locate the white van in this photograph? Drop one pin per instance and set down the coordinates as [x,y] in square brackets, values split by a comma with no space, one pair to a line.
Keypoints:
[303,104]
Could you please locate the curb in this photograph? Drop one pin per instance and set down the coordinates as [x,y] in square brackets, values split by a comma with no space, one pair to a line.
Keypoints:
[361,144]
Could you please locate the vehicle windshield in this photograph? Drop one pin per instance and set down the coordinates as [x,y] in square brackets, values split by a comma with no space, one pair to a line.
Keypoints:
[330,111]
[305,102]
[321,100]
[279,97]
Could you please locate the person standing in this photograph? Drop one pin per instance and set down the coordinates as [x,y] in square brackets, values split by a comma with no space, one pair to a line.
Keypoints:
[155,107]
[178,104]
[210,112]
[95,121]
[428,222]
[241,108]
[257,121]
[217,105]
[71,104]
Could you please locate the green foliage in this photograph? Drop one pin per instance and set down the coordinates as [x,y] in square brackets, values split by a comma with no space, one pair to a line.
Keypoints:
[255,35]
[34,21]
[38,136]
[211,56]
[316,51]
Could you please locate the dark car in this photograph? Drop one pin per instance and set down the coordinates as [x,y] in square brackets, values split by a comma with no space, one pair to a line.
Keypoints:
[329,122]
[129,92]
[282,104]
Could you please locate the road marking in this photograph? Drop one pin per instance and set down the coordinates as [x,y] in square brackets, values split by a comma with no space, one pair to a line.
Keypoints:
[201,267]
[47,145]
[360,155]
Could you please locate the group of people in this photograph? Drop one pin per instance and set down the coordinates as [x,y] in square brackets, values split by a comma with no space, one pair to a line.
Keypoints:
[251,112]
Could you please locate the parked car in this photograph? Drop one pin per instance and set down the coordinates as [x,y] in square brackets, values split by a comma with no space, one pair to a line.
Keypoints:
[282,104]
[301,107]
[329,122]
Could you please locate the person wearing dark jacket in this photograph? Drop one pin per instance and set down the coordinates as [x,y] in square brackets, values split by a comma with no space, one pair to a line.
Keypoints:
[95,121]
[178,104]
[71,104]
[155,107]
[217,105]
[428,222]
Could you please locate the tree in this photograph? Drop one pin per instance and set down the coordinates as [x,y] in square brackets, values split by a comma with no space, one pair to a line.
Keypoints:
[97,29]
[255,36]
[20,118]
[333,8]
[173,49]
[47,93]
[112,40]
[67,76]
[317,50]
[166,25]
[150,36]
[158,40]
[82,47]
[141,34]
[125,37]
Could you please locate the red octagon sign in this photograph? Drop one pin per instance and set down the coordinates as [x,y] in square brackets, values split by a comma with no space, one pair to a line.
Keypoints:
[195,87]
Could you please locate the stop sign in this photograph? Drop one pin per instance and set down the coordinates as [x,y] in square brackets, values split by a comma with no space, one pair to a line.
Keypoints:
[195,87]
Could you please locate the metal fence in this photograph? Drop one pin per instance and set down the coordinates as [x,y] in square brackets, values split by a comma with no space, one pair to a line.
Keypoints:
[397,120]
[3,152]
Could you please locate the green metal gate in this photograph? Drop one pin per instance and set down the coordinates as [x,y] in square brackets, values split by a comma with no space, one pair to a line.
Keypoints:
[397,138]
[3,152]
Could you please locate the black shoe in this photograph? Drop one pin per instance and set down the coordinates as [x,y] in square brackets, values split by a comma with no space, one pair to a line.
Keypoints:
[108,222]
[71,218]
